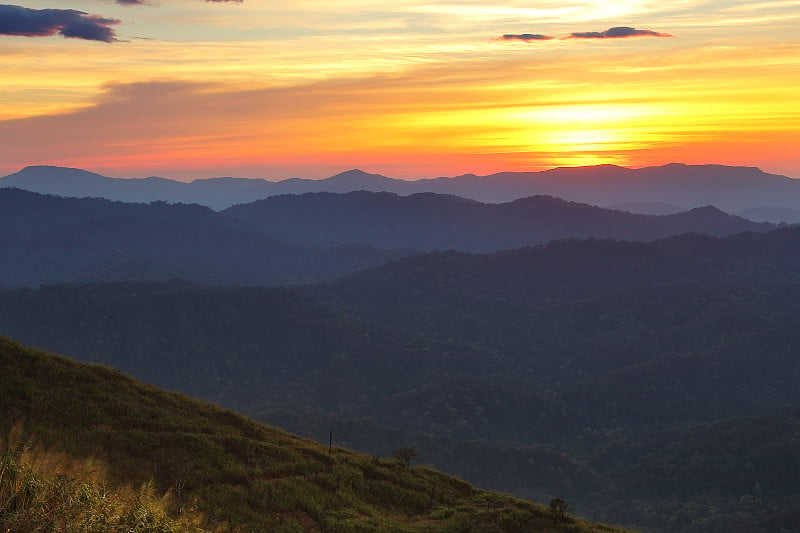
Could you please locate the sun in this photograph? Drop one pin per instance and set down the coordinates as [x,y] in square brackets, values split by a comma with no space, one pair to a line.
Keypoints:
[579,134]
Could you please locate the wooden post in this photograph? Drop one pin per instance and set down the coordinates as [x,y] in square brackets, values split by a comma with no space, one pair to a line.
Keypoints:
[330,443]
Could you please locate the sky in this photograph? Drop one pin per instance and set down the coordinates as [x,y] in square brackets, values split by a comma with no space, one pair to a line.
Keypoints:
[189,89]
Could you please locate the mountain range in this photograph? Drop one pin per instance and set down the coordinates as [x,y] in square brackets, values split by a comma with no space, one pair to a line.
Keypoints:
[47,239]
[644,367]
[732,189]
[428,221]
[293,238]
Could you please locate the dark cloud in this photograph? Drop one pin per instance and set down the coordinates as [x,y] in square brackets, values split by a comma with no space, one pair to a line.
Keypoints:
[527,37]
[616,33]
[17,20]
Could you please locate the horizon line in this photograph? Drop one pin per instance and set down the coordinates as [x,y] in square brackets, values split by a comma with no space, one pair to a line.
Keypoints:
[365,172]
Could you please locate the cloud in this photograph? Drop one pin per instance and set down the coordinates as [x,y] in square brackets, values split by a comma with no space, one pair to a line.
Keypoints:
[616,33]
[23,21]
[611,33]
[527,37]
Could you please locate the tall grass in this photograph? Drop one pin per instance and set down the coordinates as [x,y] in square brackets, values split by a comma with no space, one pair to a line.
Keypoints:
[44,491]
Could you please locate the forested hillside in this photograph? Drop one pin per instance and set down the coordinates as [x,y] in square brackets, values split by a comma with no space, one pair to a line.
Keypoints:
[218,470]
[435,221]
[292,239]
[47,239]
[595,365]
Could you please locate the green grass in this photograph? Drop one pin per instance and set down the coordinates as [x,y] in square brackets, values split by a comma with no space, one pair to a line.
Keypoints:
[207,467]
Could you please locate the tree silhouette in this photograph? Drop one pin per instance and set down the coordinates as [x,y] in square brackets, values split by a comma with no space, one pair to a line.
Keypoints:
[558,508]
[405,454]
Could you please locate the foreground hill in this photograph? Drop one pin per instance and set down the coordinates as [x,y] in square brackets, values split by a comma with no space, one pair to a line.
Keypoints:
[434,221]
[731,189]
[237,474]
[49,239]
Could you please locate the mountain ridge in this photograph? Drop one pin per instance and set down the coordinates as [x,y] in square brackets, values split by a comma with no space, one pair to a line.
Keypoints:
[428,221]
[730,188]
[288,239]
[48,239]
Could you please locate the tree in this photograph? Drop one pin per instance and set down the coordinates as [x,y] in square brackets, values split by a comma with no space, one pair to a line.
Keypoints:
[558,508]
[405,454]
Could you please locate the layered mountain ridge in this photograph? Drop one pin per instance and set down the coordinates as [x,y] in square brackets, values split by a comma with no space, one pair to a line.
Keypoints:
[294,238]
[732,189]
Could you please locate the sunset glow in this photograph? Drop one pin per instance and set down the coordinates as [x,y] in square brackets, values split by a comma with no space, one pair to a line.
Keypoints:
[188,88]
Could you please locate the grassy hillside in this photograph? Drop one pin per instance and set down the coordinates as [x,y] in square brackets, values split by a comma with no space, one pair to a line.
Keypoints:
[226,471]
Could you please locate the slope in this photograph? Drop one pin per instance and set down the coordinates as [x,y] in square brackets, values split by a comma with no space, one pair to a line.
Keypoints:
[241,475]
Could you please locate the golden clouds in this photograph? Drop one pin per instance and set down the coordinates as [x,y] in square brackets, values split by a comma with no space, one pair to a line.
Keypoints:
[261,86]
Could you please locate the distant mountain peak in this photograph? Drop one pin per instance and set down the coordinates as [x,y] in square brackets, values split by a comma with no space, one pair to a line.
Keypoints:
[355,173]
[707,209]
[647,208]
[41,177]
[711,166]
[159,179]
[544,200]
[37,169]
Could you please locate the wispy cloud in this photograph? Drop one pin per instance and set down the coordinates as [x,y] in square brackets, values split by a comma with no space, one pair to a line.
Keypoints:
[616,33]
[23,21]
[527,37]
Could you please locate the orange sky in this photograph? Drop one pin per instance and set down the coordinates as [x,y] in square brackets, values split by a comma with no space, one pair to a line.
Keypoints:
[187,89]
